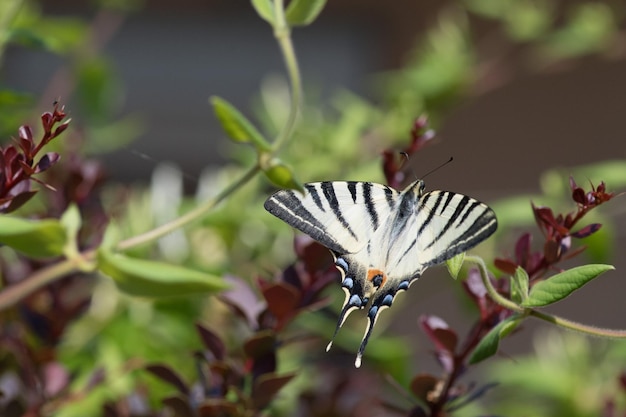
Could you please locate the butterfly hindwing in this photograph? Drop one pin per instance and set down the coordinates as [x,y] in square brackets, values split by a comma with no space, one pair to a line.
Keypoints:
[383,240]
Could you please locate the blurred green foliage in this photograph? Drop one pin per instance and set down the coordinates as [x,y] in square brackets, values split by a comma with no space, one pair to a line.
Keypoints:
[340,139]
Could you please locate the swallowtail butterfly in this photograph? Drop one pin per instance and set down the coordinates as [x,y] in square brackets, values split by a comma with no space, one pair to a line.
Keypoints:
[382,239]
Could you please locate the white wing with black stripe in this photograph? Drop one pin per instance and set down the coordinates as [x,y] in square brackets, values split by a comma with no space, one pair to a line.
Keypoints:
[340,215]
[382,240]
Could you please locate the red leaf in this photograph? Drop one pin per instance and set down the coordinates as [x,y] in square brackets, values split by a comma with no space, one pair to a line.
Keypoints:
[47,161]
[25,133]
[217,407]
[260,344]
[266,388]
[578,195]
[46,121]
[552,251]
[15,202]
[439,333]
[522,249]
[243,300]
[27,146]
[170,376]
[587,230]
[424,386]
[505,265]
[211,341]
[282,299]
[179,405]
[60,129]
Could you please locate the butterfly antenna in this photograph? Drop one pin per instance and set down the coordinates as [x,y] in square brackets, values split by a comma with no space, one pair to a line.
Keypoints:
[407,158]
[438,167]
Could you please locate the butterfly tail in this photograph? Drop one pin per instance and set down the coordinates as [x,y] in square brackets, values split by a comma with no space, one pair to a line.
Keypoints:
[356,297]
[381,302]
[353,302]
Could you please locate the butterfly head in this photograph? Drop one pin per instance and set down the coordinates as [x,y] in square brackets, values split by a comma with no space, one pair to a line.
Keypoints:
[416,188]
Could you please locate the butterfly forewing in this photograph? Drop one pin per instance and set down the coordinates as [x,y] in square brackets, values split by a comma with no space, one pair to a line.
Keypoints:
[383,240]
[341,215]
[453,223]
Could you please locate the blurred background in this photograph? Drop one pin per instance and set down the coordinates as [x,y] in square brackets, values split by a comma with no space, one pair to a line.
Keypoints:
[521,93]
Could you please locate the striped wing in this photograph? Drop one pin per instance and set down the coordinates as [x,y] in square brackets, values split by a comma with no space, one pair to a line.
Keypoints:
[445,224]
[383,240]
[423,231]
[341,215]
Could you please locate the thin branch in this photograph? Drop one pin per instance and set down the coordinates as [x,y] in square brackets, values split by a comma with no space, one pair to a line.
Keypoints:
[581,328]
[13,294]
[495,296]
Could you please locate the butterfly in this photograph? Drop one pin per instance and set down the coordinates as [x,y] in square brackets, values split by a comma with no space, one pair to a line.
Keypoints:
[382,239]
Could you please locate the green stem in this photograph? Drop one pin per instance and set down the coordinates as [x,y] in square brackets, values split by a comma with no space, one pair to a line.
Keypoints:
[568,324]
[282,33]
[14,293]
[582,328]
[189,217]
[11,295]
[495,296]
[10,13]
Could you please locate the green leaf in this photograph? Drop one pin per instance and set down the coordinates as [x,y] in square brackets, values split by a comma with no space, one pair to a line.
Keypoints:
[561,285]
[281,175]
[71,220]
[454,264]
[236,126]
[519,286]
[156,279]
[265,9]
[488,346]
[303,12]
[33,238]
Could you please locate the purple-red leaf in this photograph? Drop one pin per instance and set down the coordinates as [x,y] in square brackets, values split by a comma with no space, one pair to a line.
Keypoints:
[282,299]
[179,406]
[26,133]
[445,359]
[261,343]
[424,387]
[47,161]
[170,376]
[217,407]
[13,203]
[505,265]
[267,386]
[439,333]
[60,129]
[211,341]
[522,249]
[47,120]
[578,195]
[243,300]
[587,230]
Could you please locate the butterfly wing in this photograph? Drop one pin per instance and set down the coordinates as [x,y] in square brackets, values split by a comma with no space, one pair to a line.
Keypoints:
[442,225]
[341,215]
[383,240]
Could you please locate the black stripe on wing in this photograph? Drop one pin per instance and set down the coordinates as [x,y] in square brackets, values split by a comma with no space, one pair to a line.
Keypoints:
[369,204]
[315,196]
[457,212]
[287,206]
[329,192]
[483,225]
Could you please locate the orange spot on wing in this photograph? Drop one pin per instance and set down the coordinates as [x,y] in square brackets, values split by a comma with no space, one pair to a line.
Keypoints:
[373,273]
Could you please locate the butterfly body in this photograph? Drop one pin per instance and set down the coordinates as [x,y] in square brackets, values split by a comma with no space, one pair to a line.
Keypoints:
[382,240]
